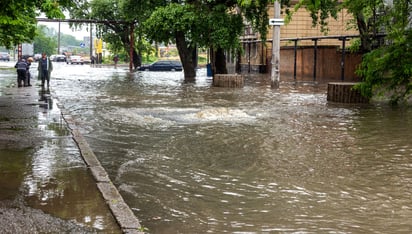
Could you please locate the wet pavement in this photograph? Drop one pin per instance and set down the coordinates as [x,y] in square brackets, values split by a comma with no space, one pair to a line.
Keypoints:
[45,184]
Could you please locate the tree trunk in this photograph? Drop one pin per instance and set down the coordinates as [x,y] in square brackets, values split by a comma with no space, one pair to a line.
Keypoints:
[185,54]
[366,41]
[218,61]
[137,59]
[238,67]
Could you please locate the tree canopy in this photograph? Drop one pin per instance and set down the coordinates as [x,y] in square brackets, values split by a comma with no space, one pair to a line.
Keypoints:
[218,24]
[191,25]
[118,17]
[386,40]
[387,70]
[18,18]
[43,42]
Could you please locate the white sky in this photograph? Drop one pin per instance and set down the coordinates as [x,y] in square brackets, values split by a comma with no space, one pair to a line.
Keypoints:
[64,28]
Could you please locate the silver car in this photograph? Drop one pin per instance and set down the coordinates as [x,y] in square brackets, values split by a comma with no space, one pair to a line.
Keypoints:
[4,56]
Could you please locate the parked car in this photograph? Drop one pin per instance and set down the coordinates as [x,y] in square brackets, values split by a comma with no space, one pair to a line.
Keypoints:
[86,60]
[163,65]
[4,56]
[37,57]
[75,59]
[58,58]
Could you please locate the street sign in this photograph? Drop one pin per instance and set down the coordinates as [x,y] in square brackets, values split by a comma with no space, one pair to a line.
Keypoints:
[276,22]
[82,45]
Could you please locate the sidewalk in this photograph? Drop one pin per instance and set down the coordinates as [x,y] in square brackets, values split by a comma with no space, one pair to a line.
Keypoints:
[50,181]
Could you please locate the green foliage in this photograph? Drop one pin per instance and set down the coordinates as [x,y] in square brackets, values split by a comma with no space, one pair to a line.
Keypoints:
[68,40]
[369,17]
[146,59]
[43,43]
[256,13]
[388,71]
[18,18]
[320,11]
[355,45]
[114,11]
[202,26]
[202,60]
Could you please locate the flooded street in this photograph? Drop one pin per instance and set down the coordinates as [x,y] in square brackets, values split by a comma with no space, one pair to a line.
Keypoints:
[191,158]
[45,185]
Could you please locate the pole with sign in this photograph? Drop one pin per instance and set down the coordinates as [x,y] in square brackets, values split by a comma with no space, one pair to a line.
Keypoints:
[98,43]
[276,23]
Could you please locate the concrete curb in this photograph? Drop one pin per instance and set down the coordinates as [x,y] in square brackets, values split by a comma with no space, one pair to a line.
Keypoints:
[124,216]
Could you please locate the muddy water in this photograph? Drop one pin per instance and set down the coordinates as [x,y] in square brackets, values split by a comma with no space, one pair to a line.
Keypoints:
[41,167]
[189,158]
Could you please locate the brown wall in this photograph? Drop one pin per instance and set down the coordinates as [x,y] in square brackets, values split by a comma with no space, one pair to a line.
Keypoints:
[328,64]
[329,55]
[301,26]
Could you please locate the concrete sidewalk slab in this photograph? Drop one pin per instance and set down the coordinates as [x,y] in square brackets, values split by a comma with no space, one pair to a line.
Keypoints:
[45,184]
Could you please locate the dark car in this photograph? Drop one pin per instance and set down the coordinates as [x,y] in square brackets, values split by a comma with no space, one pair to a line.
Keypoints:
[163,65]
[4,56]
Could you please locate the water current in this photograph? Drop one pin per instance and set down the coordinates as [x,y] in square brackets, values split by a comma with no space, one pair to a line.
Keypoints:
[192,158]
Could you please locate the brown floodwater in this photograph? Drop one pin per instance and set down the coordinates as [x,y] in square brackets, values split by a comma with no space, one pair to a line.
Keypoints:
[45,170]
[191,158]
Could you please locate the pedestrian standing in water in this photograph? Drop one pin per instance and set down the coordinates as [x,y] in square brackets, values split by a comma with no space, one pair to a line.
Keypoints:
[115,60]
[28,75]
[21,67]
[45,68]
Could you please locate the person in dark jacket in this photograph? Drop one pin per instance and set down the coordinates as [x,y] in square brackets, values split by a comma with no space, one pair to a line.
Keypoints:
[21,67]
[45,68]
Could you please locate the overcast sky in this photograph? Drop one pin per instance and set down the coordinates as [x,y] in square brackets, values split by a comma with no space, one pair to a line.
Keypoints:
[64,28]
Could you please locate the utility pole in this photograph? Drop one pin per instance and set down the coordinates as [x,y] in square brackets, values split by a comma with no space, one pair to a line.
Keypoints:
[91,41]
[58,40]
[276,22]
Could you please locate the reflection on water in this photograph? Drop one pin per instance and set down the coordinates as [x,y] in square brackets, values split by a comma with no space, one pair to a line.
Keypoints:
[59,182]
[191,158]
[12,172]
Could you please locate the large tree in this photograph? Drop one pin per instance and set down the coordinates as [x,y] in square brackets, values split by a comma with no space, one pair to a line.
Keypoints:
[367,17]
[116,19]
[18,18]
[43,42]
[215,24]
[387,70]
[190,25]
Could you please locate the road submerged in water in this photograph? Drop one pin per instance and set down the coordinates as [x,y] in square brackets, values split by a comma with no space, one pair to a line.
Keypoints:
[192,158]
[42,172]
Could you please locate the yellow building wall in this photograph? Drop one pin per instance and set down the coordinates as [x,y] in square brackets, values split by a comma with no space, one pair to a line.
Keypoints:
[301,26]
